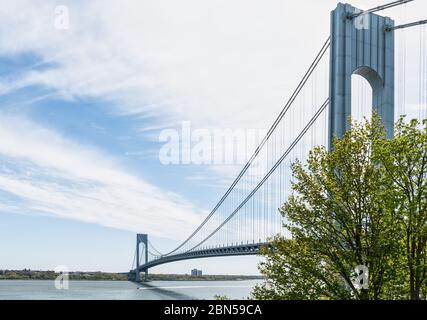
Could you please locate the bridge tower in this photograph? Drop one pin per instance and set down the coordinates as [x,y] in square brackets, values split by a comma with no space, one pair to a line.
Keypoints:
[360,45]
[141,238]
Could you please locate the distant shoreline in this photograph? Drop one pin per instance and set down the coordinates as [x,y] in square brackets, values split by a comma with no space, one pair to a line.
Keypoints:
[27,274]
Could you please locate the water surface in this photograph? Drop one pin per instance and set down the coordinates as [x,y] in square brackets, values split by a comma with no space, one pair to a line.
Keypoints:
[124,290]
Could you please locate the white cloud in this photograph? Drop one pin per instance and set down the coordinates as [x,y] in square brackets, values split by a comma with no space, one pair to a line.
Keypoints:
[57,176]
[217,63]
[221,63]
[185,59]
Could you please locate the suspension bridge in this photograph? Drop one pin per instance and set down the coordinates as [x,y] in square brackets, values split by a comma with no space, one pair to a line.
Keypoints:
[361,43]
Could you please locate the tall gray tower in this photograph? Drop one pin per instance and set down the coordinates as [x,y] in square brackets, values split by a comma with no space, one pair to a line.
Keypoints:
[141,238]
[360,45]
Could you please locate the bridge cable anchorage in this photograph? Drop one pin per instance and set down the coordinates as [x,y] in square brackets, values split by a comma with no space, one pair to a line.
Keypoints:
[289,103]
[379,8]
[284,155]
[407,25]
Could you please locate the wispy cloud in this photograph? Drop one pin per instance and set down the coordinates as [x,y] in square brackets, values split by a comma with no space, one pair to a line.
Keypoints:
[167,60]
[172,60]
[160,59]
[53,175]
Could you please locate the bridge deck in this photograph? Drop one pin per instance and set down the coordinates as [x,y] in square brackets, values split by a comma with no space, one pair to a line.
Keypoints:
[237,250]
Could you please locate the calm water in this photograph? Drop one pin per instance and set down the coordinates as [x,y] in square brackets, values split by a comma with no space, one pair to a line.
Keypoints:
[116,290]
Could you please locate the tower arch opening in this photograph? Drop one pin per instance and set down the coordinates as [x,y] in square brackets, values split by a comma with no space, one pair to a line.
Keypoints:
[365,85]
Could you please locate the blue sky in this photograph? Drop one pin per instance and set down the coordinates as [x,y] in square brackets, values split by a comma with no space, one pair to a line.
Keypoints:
[81,111]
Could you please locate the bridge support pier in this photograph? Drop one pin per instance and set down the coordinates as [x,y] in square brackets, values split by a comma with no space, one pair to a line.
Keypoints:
[141,238]
[360,46]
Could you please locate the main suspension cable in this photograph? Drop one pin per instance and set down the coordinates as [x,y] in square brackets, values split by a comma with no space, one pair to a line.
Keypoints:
[379,8]
[284,155]
[294,95]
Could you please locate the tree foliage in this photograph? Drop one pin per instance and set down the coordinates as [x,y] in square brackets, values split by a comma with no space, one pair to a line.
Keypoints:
[363,203]
[404,163]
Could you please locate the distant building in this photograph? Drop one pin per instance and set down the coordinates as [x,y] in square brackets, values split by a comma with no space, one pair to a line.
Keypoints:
[196,273]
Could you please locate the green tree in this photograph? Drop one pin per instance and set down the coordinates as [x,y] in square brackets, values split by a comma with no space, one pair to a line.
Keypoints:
[341,215]
[404,162]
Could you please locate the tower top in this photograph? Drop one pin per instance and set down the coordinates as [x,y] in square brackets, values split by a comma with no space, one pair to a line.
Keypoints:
[360,46]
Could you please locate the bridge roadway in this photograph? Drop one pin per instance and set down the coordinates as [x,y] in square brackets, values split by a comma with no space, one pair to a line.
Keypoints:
[235,250]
